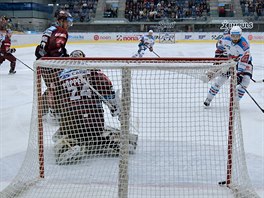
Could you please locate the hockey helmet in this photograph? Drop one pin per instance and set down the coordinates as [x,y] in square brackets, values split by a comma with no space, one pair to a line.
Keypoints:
[65,16]
[9,31]
[235,33]
[150,32]
[77,53]
[5,18]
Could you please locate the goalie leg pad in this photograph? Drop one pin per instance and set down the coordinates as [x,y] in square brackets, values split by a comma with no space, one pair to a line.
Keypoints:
[67,151]
[113,137]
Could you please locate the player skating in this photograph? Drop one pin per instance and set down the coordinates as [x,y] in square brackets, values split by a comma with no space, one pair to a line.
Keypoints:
[146,42]
[234,45]
[82,126]
[53,44]
[54,39]
[6,51]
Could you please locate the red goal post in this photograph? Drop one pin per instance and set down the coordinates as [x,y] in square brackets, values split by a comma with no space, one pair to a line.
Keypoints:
[183,150]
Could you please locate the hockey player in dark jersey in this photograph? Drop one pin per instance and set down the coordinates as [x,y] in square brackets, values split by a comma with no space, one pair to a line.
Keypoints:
[53,43]
[54,38]
[82,124]
[6,51]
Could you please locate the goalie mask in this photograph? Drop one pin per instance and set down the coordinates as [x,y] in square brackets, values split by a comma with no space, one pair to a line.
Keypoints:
[77,54]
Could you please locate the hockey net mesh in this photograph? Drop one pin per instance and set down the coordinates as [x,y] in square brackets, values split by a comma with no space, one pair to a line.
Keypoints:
[182,149]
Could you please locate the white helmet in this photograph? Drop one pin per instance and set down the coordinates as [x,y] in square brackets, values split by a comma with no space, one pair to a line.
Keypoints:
[235,33]
[77,53]
[150,32]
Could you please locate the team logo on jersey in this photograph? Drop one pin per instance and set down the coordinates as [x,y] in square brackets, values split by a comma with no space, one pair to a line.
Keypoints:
[245,45]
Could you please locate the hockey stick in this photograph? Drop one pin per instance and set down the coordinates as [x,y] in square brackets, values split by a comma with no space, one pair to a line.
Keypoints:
[97,93]
[257,81]
[155,53]
[25,64]
[252,98]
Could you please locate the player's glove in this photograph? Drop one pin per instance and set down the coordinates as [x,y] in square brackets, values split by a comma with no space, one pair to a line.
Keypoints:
[11,50]
[64,52]
[239,78]
[151,49]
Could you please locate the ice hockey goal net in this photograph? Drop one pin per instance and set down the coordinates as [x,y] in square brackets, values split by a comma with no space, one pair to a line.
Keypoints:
[183,150]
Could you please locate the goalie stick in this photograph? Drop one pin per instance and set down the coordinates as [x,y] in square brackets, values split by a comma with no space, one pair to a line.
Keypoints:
[108,103]
[97,93]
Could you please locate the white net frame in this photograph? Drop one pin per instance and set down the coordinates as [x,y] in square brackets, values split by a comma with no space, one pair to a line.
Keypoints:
[189,168]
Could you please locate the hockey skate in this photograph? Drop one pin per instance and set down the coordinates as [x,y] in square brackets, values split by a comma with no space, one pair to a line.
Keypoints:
[11,72]
[207,102]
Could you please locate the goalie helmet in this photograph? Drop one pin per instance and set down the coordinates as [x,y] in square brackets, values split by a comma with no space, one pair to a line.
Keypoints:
[235,33]
[77,53]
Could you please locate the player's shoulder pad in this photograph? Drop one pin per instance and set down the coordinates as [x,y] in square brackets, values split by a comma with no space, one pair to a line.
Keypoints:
[49,31]
[51,28]
[227,38]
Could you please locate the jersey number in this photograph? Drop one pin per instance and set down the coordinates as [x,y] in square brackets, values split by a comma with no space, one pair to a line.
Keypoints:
[85,91]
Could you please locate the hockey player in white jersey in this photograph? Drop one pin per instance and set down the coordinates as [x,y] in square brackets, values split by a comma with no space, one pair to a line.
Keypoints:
[146,42]
[237,46]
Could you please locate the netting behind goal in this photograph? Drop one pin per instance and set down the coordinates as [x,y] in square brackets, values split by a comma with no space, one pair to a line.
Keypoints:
[163,143]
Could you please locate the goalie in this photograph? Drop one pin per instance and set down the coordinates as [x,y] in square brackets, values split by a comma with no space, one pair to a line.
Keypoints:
[146,42]
[234,45]
[82,126]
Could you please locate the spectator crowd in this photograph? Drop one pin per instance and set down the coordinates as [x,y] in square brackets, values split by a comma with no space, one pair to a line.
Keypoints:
[81,11]
[156,10]
[252,8]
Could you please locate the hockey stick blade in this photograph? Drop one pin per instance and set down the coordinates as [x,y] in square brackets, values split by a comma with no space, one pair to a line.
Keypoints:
[257,81]
[156,54]
[253,99]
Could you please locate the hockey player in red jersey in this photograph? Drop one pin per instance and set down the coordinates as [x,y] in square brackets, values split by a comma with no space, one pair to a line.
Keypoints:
[6,51]
[53,44]
[54,39]
[82,124]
